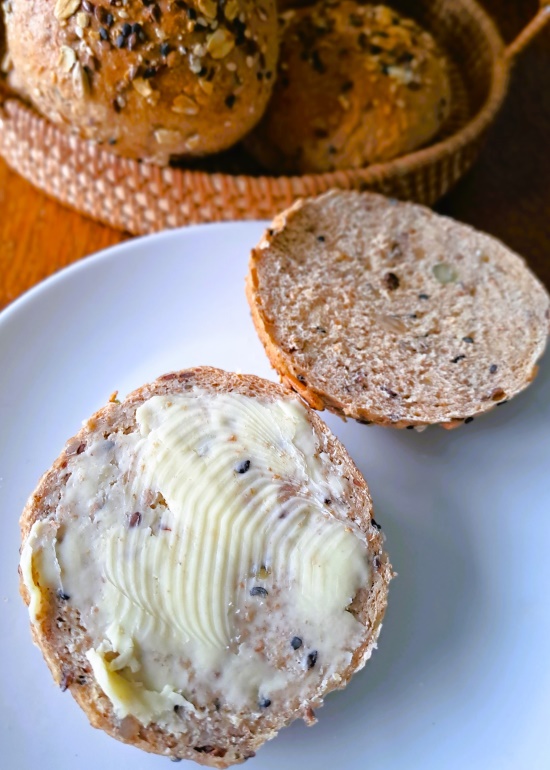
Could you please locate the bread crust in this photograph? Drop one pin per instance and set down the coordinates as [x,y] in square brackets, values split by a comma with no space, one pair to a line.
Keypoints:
[385,341]
[357,84]
[219,741]
[149,80]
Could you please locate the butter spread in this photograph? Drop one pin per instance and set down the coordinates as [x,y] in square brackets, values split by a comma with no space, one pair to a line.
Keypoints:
[196,548]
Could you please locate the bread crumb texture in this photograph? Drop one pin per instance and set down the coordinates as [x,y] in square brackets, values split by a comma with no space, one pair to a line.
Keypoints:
[388,313]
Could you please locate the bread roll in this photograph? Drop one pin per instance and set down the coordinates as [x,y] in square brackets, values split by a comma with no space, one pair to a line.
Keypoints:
[150,79]
[388,313]
[357,84]
[202,567]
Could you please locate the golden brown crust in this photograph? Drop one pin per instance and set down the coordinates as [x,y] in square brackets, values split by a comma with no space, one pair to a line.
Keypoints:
[220,741]
[150,80]
[357,84]
[350,298]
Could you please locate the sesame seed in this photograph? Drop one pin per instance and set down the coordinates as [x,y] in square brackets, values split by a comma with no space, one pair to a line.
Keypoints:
[312,659]
[258,591]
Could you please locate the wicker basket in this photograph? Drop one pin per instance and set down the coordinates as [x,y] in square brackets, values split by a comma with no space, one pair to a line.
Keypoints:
[142,198]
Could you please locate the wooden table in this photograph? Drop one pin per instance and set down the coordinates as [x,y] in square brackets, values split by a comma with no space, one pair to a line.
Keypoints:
[506,194]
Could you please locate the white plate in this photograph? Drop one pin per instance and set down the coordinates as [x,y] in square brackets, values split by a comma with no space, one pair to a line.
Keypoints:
[462,676]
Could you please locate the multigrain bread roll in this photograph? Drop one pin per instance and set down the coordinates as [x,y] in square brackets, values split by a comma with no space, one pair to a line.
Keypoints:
[388,313]
[357,84]
[151,79]
[202,567]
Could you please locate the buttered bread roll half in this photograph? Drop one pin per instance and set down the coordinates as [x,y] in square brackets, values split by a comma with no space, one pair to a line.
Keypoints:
[201,566]
[151,79]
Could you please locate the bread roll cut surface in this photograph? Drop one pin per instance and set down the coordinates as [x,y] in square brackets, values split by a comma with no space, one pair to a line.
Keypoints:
[201,567]
[386,312]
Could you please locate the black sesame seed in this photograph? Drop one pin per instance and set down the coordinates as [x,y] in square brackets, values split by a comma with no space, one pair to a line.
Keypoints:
[468,419]
[192,14]
[81,679]
[301,378]
[134,519]
[109,20]
[312,659]
[120,41]
[362,421]
[410,427]
[456,359]
[175,759]
[126,29]
[103,34]
[296,643]
[243,467]
[321,238]
[500,403]
[264,703]
[375,524]
[328,501]
[63,596]
[164,49]
[137,28]
[258,591]
[493,368]
[230,100]
[317,64]
[391,281]
[149,72]
[423,296]
[469,340]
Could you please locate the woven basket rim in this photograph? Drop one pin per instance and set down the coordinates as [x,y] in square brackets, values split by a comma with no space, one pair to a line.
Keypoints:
[399,166]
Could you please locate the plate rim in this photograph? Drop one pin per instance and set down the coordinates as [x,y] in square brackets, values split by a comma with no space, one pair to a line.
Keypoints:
[89,260]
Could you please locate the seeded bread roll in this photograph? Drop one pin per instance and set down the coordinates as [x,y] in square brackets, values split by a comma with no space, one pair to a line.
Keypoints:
[202,567]
[388,313]
[357,84]
[150,79]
